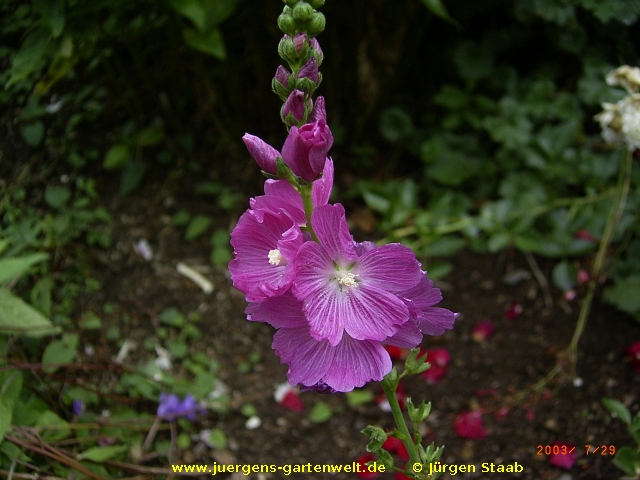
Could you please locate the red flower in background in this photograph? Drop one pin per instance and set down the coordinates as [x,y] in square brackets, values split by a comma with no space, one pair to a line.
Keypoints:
[514,311]
[566,456]
[633,354]
[469,425]
[483,331]
[439,358]
[362,471]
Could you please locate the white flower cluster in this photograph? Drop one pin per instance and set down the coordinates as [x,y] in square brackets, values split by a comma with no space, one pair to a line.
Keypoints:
[620,122]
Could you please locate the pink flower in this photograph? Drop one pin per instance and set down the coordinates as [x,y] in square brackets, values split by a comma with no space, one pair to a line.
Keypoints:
[582,277]
[633,354]
[343,292]
[483,331]
[569,295]
[305,149]
[469,425]
[439,359]
[514,311]
[566,456]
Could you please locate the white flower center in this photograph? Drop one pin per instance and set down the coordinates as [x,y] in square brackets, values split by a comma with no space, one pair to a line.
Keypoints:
[276,258]
[346,279]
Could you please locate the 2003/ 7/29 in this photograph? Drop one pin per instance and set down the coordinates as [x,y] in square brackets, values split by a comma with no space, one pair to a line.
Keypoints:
[565,450]
[602,449]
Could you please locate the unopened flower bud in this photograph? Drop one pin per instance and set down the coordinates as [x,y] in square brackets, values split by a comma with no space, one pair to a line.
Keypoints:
[319,111]
[316,50]
[293,110]
[310,70]
[281,83]
[286,23]
[282,76]
[302,11]
[316,24]
[316,3]
[291,3]
[299,41]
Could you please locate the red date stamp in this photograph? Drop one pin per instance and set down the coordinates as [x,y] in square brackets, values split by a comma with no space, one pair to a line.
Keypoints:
[601,449]
[555,450]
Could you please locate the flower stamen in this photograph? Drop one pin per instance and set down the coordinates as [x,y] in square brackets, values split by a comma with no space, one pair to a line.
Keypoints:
[276,258]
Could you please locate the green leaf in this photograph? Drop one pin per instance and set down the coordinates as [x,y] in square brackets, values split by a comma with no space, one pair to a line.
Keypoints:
[18,318]
[625,294]
[617,409]
[132,175]
[10,267]
[359,397]
[625,11]
[5,419]
[194,10]
[219,10]
[59,428]
[171,316]
[217,438]
[117,157]
[376,202]
[33,133]
[627,460]
[197,226]
[90,321]
[395,124]
[150,136]
[10,387]
[210,43]
[52,13]
[321,412]
[444,246]
[60,351]
[564,275]
[181,218]
[56,197]
[102,454]
[29,56]
[437,8]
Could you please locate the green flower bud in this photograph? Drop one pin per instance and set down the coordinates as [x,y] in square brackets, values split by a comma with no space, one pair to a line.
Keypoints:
[420,413]
[414,365]
[302,11]
[279,89]
[316,3]
[291,3]
[286,23]
[316,24]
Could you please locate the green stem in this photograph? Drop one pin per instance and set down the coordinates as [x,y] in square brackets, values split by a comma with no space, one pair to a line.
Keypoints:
[615,214]
[389,386]
[307,201]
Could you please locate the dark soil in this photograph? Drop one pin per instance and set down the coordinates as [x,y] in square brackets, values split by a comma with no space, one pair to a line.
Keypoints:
[502,369]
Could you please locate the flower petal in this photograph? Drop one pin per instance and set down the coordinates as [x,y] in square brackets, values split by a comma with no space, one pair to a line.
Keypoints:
[330,226]
[284,311]
[392,267]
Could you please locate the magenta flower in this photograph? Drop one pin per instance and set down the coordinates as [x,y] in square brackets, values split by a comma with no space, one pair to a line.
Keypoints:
[342,292]
[315,363]
[282,197]
[305,149]
[265,244]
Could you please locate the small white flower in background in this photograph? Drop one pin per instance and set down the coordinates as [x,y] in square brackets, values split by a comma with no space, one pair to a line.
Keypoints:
[253,422]
[626,77]
[143,249]
[219,389]
[163,362]
[620,122]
